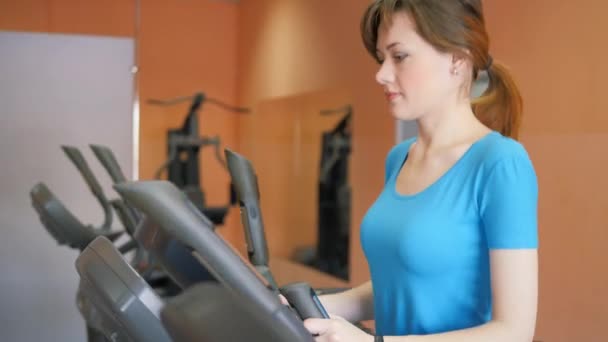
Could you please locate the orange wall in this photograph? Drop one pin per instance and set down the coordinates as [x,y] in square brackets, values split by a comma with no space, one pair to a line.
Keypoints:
[182,49]
[109,18]
[556,52]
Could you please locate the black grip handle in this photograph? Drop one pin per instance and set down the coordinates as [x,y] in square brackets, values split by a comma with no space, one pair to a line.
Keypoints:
[304,300]
[247,192]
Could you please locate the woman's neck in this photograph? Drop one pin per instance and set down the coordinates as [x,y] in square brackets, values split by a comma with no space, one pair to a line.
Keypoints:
[447,127]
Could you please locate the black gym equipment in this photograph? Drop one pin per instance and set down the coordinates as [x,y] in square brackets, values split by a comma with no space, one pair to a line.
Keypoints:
[164,204]
[201,313]
[66,229]
[334,201]
[126,214]
[143,262]
[247,192]
[248,196]
[63,226]
[126,308]
[172,255]
[167,252]
[183,147]
[335,198]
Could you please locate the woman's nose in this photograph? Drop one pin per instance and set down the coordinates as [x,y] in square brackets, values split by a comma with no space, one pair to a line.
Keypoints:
[385,74]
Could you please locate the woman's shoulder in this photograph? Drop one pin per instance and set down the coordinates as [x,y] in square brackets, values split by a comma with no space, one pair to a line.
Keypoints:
[496,150]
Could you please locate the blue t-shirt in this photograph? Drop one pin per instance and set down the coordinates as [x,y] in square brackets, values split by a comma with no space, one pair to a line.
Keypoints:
[428,253]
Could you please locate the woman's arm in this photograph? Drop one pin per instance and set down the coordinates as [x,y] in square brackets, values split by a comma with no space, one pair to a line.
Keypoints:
[354,305]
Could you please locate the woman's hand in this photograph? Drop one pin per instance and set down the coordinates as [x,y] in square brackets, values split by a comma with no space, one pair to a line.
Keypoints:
[336,329]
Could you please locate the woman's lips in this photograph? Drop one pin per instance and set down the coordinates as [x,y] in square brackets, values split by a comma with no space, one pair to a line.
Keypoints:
[391,96]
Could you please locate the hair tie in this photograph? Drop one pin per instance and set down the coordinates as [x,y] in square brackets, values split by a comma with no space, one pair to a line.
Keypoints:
[489,63]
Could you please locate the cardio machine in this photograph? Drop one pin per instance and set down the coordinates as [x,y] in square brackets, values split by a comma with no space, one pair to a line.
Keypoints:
[183,147]
[127,308]
[171,210]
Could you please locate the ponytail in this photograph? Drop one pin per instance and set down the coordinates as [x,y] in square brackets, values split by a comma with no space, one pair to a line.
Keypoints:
[500,106]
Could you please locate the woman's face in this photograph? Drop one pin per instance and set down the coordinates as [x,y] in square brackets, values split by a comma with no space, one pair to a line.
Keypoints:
[417,79]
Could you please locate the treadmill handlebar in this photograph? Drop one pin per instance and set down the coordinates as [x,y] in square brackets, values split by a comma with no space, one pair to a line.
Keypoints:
[248,195]
[168,207]
[78,160]
[108,161]
[165,205]
[304,300]
[299,295]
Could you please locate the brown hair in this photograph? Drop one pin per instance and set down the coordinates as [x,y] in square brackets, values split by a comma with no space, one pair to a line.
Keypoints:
[456,26]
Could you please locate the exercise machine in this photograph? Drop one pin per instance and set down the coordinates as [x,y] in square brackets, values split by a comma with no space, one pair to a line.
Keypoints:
[163,203]
[183,147]
[127,308]
[331,252]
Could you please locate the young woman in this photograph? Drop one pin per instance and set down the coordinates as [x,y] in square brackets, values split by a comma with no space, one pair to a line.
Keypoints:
[451,241]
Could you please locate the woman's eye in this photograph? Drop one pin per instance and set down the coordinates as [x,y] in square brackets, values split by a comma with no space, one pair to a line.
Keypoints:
[397,57]
[400,57]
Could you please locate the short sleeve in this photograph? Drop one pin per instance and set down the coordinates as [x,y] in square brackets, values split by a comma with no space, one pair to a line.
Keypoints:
[509,204]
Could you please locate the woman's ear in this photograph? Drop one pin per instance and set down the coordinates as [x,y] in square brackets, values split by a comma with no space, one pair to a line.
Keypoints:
[460,62]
